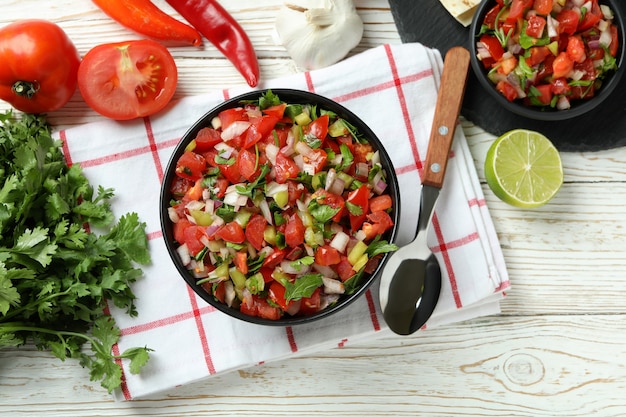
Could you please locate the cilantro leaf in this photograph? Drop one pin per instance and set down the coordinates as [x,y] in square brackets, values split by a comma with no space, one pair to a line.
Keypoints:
[303,286]
[55,275]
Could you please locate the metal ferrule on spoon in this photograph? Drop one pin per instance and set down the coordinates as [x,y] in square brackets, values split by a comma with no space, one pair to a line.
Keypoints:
[411,281]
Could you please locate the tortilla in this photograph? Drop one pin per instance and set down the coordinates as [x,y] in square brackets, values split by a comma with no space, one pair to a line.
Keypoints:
[461,10]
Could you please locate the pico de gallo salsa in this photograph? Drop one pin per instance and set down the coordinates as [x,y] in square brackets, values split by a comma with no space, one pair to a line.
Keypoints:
[548,53]
[279,209]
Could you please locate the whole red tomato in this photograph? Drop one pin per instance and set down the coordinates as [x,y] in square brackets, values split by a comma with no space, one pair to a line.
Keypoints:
[126,80]
[39,66]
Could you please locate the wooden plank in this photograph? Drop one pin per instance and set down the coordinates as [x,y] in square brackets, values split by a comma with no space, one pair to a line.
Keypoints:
[568,366]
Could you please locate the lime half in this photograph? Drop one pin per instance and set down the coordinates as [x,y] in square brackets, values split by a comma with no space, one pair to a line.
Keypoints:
[523,168]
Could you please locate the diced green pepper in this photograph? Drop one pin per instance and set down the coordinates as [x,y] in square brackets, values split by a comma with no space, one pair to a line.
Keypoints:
[357,251]
[238,278]
[255,284]
[201,217]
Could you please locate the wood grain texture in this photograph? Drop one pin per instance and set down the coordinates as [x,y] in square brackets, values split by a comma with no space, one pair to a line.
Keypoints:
[557,349]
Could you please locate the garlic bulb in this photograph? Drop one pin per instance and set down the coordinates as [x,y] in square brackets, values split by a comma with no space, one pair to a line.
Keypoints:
[319,33]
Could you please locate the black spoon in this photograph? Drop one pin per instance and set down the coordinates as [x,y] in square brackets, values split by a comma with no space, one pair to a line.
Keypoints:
[411,281]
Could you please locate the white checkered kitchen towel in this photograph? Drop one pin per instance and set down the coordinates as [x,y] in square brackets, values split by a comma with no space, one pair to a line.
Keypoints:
[393,88]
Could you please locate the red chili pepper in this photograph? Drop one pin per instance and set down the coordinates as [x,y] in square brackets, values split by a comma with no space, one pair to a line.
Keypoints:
[223,31]
[145,18]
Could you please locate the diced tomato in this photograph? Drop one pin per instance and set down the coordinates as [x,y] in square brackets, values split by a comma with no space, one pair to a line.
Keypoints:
[543,7]
[218,291]
[219,189]
[267,274]
[231,232]
[276,293]
[518,8]
[333,201]
[285,168]
[576,49]
[276,111]
[613,47]
[507,65]
[344,269]
[179,186]
[379,223]
[231,172]
[318,128]
[380,203]
[537,55]
[562,65]
[535,26]
[327,255]
[206,139]
[274,258]
[260,128]
[568,21]
[247,164]
[545,95]
[260,307]
[294,232]
[560,86]
[228,116]
[190,165]
[361,152]
[359,200]
[241,262]
[316,159]
[312,304]
[590,17]
[295,190]
[493,45]
[179,230]
[194,193]
[507,90]
[255,229]
[193,236]
[490,17]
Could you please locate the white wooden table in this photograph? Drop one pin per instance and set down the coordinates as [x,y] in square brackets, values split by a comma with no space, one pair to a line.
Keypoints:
[557,349]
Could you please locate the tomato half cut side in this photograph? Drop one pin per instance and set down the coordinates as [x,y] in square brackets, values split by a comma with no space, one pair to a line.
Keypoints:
[127,80]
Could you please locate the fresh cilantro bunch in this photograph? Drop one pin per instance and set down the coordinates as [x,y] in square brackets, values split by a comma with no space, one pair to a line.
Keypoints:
[56,275]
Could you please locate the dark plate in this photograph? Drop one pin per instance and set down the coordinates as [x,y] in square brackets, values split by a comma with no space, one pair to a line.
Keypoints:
[293,97]
[428,23]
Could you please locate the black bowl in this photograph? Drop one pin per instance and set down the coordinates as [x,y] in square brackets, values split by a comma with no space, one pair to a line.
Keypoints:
[578,107]
[293,97]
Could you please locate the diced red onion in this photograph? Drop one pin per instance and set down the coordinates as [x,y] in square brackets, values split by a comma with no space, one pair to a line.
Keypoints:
[337,186]
[288,268]
[302,206]
[606,12]
[328,299]
[375,158]
[271,151]
[481,51]
[265,210]
[195,205]
[173,215]
[234,130]
[288,149]
[379,187]
[333,286]
[340,241]
[362,169]
[303,149]
[229,293]
[563,103]
[273,188]
[326,271]
[553,27]
[299,160]
[210,230]
[330,178]
[294,307]
[183,253]
[605,38]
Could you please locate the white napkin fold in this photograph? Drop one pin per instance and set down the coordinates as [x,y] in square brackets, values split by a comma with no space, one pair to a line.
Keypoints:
[393,88]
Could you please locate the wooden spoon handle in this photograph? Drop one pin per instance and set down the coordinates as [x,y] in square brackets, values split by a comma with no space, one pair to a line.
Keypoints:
[447,110]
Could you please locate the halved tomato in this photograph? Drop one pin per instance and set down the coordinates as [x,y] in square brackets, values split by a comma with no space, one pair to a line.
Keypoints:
[126,80]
